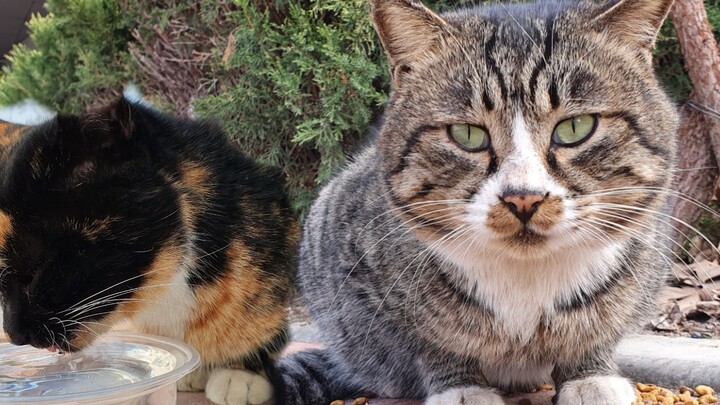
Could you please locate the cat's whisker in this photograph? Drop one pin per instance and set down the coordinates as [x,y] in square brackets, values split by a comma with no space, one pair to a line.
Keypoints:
[633,234]
[404,207]
[112,300]
[159,269]
[661,220]
[443,260]
[118,301]
[422,266]
[542,53]
[633,210]
[659,190]
[357,262]
[116,294]
[427,249]
[625,258]
[693,169]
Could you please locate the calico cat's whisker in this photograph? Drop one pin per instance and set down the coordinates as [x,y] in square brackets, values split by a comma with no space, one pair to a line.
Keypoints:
[357,262]
[75,309]
[101,314]
[5,271]
[113,300]
[158,269]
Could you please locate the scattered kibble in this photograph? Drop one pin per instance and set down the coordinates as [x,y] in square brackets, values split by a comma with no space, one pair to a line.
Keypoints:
[704,390]
[650,394]
[337,402]
[360,401]
[547,387]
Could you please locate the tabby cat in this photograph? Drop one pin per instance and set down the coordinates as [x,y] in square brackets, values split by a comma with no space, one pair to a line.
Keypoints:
[128,213]
[499,232]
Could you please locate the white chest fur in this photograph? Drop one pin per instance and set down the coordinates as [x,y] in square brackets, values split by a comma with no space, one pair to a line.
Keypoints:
[520,291]
[169,311]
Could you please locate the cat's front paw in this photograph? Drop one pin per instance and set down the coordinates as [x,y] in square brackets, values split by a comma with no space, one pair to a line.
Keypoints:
[237,387]
[598,390]
[466,396]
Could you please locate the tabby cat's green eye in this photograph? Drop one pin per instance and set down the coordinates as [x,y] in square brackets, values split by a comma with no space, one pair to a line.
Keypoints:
[469,137]
[575,130]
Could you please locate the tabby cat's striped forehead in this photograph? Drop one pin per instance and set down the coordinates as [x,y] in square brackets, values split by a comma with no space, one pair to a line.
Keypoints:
[517,72]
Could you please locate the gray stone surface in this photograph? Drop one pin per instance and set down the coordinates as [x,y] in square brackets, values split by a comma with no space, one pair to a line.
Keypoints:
[666,361]
[670,362]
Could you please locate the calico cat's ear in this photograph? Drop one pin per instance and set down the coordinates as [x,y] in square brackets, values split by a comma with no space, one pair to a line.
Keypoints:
[117,118]
[409,32]
[100,137]
[635,21]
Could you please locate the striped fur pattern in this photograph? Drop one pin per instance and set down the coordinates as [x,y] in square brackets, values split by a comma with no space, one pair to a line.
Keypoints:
[130,214]
[423,281]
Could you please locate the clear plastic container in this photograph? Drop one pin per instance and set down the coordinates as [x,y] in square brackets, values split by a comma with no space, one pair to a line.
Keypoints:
[117,369]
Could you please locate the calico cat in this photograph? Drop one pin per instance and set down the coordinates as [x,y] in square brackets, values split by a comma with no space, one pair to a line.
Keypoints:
[128,213]
[500,231]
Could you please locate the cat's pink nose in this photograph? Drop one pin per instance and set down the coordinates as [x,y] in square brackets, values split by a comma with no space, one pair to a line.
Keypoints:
[522,204]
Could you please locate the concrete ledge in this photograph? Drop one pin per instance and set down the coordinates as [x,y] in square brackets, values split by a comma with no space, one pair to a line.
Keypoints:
[670,362]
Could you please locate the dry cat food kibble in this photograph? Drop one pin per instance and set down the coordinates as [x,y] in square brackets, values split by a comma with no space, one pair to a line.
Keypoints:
[649,394]
[357,401]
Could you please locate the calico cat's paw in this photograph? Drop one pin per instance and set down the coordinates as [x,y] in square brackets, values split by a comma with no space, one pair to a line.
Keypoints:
[599,390]
[237,387]
[466,396]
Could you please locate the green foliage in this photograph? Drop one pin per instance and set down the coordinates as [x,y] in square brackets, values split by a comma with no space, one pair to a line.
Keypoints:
[79,53]
[302,89]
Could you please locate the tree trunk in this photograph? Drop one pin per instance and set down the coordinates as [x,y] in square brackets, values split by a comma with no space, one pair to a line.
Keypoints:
[699,135]
[697,171]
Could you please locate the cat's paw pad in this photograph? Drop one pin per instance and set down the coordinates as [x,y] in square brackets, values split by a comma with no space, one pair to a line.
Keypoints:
[599,390]
[237,387]
[194,381]
[466,396]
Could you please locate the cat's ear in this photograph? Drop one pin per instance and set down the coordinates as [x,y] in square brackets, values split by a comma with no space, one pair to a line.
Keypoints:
[635,21]
[409,32]
[97,138]
[116,119]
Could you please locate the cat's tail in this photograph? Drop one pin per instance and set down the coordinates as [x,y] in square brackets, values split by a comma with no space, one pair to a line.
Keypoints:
[310,378]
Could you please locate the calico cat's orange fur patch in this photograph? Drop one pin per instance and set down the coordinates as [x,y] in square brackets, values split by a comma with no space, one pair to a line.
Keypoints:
[226,307]
[5,227]
[9,133]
